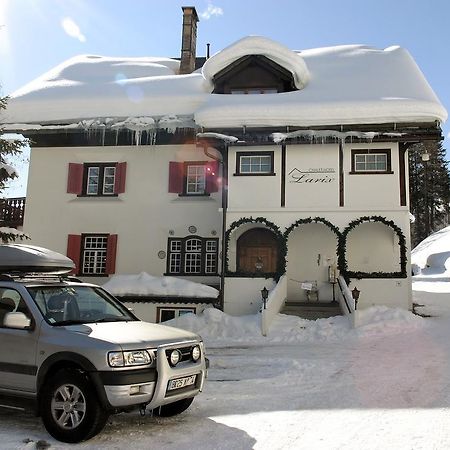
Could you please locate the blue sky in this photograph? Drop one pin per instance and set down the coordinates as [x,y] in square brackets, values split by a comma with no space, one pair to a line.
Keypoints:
[36,35]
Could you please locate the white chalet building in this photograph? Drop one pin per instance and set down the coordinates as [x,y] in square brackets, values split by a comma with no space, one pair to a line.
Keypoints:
[262,164]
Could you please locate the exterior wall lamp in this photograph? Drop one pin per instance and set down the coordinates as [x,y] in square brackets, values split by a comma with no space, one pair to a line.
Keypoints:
[355,295]
[264,295]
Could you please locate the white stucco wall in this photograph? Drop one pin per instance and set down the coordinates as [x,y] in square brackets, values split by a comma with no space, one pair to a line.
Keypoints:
[312,176]
[143,217]
[244,190]
[243,295]
[372,190]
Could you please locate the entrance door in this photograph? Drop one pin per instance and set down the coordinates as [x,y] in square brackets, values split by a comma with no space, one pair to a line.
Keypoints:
[257,251]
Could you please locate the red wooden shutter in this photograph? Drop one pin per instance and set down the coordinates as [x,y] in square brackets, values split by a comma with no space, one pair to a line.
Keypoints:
[111,251]
[74,250]
[75,179]
[176,177]
[212,175]
[119,183]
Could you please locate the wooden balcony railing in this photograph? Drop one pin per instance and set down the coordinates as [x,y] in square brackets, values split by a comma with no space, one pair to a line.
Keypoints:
[12,211]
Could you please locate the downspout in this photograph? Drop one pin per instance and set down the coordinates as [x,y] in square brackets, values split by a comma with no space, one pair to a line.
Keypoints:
[224,164]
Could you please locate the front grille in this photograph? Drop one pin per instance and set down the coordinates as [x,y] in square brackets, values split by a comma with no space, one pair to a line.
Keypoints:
[185,353]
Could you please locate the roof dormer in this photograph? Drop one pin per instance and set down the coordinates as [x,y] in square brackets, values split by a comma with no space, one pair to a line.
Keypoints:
[253,74]
[255,65]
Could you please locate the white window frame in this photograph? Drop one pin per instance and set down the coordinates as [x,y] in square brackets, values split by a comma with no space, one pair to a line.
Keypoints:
[195,183]
[94,250]
[192,255]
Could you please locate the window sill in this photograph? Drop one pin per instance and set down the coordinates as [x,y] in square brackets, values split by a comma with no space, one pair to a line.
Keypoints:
[194,195]
[92,275]
[180,274]
[271,174]
[372,173]
[97,196]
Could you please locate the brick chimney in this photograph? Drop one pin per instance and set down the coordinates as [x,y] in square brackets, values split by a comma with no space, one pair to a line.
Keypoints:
[188,39]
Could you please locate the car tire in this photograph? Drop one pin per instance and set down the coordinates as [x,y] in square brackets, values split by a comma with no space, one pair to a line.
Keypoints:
[70,408]
[172,409]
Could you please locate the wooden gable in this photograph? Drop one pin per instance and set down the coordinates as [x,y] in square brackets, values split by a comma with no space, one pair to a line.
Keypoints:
[253,72]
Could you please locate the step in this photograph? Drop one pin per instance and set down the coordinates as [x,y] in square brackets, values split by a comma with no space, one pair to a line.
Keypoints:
[312,310]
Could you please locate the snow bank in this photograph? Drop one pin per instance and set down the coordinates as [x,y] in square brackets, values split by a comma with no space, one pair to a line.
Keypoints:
[219,329]
[144,284]
[432,255]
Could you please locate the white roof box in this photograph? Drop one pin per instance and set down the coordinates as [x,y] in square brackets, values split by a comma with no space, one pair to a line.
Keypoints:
[21,258]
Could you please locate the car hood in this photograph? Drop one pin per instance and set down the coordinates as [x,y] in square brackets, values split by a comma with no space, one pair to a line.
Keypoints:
[134,334]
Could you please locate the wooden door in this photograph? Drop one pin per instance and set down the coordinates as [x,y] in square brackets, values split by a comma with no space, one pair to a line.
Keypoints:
[257,251]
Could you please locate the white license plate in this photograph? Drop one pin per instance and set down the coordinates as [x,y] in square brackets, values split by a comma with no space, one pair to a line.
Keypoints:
[181,382]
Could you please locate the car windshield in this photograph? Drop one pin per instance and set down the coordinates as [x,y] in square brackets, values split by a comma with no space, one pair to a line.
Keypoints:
[68,305]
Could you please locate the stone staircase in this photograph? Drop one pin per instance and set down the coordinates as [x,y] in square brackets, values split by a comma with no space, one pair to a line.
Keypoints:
[312,310]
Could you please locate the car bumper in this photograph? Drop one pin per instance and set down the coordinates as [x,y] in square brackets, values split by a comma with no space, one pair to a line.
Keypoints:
[128,388]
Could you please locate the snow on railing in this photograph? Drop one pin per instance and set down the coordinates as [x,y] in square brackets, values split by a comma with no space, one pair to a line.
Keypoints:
[274,303]
[346,300]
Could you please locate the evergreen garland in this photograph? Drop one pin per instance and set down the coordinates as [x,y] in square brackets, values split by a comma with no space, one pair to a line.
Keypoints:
[282,239]
[282,248]
[342,261]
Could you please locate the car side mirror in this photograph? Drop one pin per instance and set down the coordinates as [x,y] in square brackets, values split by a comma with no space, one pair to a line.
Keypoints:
[16,320]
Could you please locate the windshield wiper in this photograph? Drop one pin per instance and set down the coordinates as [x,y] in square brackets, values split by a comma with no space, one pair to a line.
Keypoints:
[110,319]
[68,322]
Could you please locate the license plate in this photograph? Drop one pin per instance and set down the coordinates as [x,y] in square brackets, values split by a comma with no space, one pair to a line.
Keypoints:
[181,382]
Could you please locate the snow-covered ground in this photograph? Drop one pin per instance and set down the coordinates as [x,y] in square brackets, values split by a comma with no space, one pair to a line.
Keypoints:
[307,385]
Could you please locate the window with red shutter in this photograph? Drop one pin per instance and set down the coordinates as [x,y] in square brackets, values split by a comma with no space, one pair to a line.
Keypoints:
[193,178]
[111,252]
[75,179]
[176,177]
[119,184]
[74,250]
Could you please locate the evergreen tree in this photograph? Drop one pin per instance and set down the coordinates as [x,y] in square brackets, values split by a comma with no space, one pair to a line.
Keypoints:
[429,189]
[9,149]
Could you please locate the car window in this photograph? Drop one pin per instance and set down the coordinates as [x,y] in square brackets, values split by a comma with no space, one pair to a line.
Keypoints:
[77,304]
[11,301]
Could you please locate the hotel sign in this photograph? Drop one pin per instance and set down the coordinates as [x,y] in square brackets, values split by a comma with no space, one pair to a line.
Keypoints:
[312,176]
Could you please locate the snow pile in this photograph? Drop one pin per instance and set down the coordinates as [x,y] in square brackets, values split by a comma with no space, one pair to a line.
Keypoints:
[432,255]
[219,329]
[144,284]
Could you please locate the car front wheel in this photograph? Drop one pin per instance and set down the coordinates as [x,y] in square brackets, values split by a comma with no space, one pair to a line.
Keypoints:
[70,409]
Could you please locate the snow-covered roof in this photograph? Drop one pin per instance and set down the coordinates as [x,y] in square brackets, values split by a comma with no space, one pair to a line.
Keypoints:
[338,85]
[147,285]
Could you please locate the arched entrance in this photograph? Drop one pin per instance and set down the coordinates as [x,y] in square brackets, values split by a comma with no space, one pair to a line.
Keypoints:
[257,251]
[312,249]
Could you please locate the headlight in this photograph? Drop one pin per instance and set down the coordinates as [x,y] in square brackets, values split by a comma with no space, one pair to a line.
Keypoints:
[174,357]
[196,353]
[133,358]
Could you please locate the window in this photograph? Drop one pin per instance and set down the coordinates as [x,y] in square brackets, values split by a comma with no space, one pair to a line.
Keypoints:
[11,301]
[371,161]
[254,163]
[267,90]
[96,179]
[164,313]
[100,180]
[192,255]
[93,254]
[193,178]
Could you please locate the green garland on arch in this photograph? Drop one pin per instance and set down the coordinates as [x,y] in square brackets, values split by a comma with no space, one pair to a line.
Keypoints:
[321,220]
[281,241]
[342,260]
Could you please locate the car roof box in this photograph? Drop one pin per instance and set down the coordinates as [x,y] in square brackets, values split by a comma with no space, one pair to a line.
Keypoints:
[21,258]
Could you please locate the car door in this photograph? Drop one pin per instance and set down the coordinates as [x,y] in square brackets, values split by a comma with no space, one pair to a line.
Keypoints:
[17,347]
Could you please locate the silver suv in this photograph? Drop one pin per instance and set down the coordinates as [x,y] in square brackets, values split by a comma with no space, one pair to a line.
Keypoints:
[76,354]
